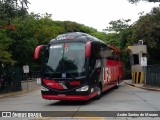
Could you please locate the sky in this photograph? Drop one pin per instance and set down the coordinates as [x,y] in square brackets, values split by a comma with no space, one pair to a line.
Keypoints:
[92,13]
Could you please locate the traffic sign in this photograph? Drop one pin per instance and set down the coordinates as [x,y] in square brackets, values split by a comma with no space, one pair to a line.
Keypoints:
[26,69]
[143,61]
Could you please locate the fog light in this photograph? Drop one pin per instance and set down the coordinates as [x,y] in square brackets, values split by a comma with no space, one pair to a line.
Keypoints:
[84,88]
[44,89]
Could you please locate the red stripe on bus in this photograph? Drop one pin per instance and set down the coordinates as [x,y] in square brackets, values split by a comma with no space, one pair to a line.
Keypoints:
[70,97]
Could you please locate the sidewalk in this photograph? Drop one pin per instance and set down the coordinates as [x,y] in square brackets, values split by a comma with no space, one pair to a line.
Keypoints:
[27,86]
[142,86]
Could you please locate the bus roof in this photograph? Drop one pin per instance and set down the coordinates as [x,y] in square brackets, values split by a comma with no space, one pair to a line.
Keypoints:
[76,36]
[79,36]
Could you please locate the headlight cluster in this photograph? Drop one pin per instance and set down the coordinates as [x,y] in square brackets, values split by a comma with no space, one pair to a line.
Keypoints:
[84,88]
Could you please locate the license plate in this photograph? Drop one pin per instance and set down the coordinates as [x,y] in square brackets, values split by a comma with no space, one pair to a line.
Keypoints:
[61,95]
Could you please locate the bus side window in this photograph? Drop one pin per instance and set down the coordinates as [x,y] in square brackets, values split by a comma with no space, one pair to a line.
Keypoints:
[95,54]
[96,51]
[105,52]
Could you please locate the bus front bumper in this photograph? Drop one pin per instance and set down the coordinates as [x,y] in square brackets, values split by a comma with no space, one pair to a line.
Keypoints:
[69,97]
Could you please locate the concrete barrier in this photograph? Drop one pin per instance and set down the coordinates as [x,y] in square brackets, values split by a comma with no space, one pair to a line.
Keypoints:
[29,85]
[138,77]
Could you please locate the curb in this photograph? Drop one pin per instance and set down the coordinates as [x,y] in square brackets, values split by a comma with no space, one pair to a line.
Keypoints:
[28,81]
[17,93]
[146,88]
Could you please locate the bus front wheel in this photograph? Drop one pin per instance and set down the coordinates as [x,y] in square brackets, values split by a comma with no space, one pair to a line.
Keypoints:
[99,90]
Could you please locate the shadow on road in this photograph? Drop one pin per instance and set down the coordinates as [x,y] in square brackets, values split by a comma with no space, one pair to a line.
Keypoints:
[68,103]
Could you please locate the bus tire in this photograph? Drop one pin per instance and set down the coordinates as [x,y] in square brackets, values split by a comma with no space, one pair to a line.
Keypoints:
[99,90]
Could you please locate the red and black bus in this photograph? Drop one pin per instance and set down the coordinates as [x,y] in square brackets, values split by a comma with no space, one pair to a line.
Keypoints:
[78,66]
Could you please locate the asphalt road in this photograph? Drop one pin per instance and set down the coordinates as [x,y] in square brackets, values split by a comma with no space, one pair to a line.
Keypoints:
[125,98]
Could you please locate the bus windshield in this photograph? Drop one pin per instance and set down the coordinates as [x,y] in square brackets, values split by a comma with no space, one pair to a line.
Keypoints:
[64,60]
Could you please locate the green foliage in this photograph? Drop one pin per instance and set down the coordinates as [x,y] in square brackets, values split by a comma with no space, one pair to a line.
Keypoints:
[118,25]
[5,42]
[113,39]
[9,9]
[35,29]
[120,35]
[21,32]
[87,29]
[99,35]
[136,1]
[125,38]
[147,29]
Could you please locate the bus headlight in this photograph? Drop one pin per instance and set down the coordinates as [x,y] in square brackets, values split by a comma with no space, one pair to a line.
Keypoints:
[44,89]
[84,88]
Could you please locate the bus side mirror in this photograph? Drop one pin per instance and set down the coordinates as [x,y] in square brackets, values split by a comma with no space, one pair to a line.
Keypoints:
[88,49]
[37,51]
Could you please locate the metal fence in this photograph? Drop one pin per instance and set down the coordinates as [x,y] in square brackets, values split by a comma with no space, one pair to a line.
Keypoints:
[11,78]
[153,75]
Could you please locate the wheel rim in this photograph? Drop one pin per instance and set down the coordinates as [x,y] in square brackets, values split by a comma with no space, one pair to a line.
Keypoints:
[99,91]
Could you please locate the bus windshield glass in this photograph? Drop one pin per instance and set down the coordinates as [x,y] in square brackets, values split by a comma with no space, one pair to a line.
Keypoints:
[64,60]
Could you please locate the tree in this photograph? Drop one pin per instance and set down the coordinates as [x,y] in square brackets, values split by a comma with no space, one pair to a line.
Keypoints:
[118,25]
[117,29]
[136,1]
[9,9]
[5,42]
[99,35]
[36,29]
[24,3]
[147,29]
[24,40]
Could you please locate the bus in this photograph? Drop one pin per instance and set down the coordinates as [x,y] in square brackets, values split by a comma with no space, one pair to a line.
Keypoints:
[78,66]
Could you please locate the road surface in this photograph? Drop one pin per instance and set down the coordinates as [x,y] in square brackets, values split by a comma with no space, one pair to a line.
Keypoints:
[125,98]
